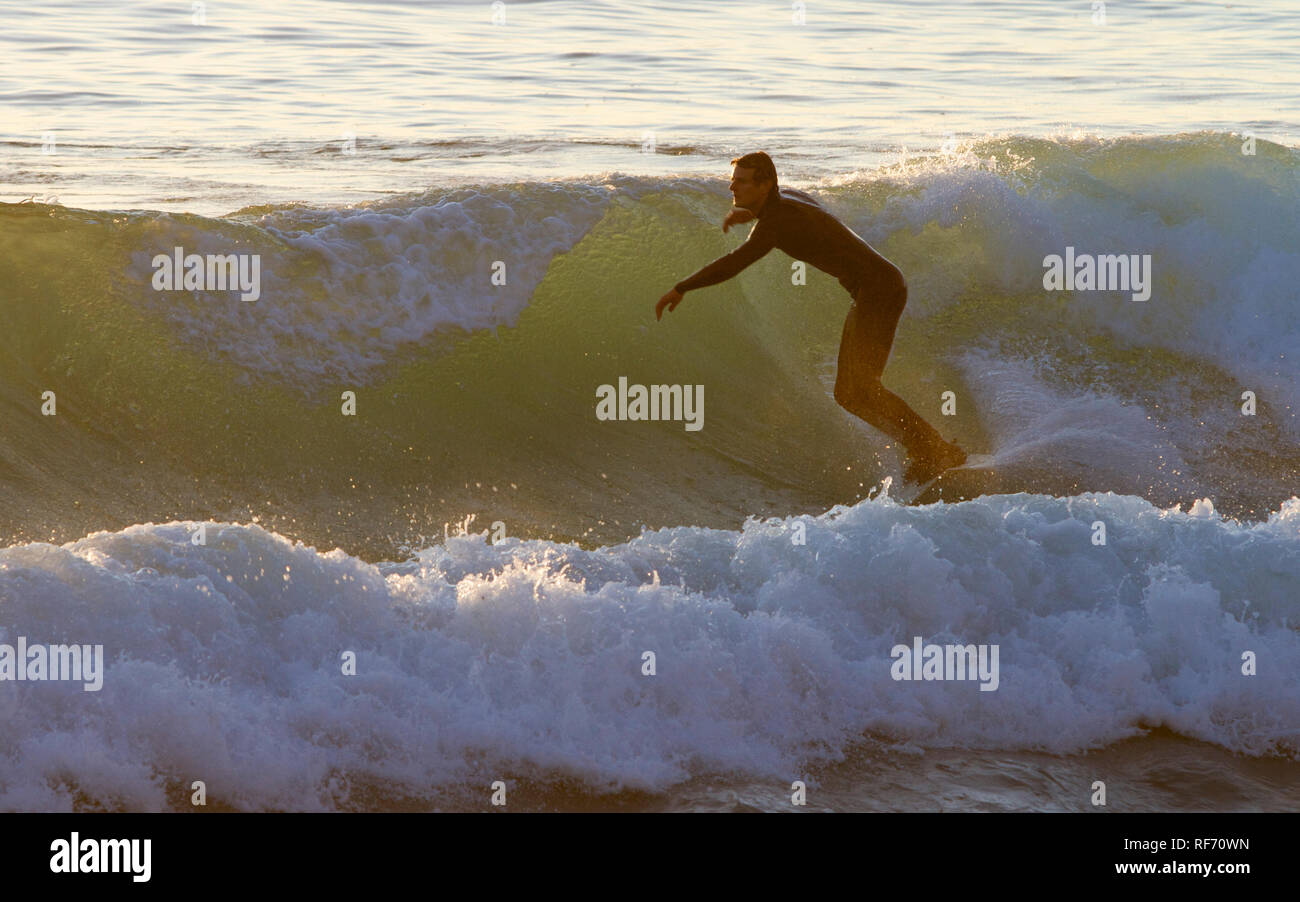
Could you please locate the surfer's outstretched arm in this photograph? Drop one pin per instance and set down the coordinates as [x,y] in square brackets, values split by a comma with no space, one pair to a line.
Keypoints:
[756,245]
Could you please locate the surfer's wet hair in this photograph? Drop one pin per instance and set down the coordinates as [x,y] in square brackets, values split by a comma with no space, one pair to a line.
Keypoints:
[761,163]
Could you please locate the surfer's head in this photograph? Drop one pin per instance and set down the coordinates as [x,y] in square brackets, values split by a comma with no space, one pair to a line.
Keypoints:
[752,178]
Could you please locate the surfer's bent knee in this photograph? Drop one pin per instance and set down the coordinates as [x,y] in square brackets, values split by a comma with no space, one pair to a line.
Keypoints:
[865,393]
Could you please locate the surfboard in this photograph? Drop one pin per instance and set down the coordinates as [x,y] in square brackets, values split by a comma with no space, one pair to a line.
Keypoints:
[977,476]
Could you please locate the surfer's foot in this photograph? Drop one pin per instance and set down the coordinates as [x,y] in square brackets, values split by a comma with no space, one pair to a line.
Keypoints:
[923,469]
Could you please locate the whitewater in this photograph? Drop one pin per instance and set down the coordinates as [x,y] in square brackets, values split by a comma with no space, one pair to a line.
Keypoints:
[523,659]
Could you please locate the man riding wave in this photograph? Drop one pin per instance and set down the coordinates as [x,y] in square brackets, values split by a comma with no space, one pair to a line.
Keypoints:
[795,223]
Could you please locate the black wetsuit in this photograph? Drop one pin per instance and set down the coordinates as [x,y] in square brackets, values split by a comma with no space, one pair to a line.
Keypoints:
[795,223]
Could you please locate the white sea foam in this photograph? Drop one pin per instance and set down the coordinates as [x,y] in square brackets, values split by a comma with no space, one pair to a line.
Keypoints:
[477,661]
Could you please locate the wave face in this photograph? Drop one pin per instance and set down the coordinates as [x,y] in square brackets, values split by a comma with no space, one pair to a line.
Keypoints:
[479,398]
[523,660]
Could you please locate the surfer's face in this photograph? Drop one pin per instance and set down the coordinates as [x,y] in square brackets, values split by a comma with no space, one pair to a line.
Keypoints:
[747,192]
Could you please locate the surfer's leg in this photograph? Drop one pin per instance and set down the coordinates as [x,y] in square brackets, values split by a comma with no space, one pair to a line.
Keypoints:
[865,344]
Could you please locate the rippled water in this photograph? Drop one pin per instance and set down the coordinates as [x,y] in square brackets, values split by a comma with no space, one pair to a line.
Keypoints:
[256,104]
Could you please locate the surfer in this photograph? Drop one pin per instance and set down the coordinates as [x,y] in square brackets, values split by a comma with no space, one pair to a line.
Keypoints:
[794,222]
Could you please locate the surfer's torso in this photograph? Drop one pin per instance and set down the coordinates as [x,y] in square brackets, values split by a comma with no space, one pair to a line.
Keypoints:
[793,222]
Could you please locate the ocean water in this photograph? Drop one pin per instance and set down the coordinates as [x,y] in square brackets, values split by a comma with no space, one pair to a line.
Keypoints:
[497,558]
[337,102]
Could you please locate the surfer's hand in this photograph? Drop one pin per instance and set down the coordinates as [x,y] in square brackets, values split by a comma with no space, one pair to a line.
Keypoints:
[736,217]
[670,300]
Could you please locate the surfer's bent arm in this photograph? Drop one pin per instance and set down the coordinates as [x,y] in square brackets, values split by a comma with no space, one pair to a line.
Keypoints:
[728,265]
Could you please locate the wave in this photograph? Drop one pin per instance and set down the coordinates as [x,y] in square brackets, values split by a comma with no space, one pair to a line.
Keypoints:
[476,395]
[522,660]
